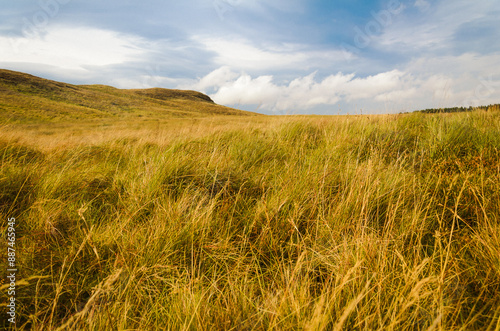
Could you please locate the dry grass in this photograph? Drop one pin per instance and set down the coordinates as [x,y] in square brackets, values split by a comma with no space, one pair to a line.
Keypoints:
[257,223]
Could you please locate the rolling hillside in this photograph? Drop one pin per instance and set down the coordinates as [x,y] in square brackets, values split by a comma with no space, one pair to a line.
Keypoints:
[25,97]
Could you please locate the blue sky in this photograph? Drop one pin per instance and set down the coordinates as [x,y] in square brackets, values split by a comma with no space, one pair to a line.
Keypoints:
[275,57]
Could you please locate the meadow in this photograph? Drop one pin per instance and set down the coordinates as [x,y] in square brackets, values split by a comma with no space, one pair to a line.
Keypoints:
[387,222]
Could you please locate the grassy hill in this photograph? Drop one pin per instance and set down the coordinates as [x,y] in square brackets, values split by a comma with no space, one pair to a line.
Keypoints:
[26,98]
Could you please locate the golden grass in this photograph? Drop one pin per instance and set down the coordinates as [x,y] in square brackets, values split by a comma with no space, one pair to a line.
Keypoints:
[257,223]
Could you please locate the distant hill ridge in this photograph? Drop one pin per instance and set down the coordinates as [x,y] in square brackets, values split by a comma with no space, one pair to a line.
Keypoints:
[25,97]
[166,94]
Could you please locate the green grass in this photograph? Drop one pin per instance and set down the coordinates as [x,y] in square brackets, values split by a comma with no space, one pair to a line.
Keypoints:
[282,223]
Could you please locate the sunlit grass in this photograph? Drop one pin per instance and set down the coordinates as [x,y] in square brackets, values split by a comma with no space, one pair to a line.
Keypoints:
[286,223]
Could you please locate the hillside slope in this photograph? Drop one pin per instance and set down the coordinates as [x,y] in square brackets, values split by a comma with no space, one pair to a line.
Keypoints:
[25,97]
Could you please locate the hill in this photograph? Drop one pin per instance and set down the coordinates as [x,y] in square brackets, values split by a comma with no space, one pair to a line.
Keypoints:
[24,97]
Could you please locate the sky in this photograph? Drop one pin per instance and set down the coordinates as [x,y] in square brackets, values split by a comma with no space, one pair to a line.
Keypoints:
[273,56]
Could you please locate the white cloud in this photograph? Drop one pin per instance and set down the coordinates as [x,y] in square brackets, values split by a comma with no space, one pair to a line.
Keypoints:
[303,92]
[369,87]
[216,78]
[71,48]
[245,55]
[246,90]
[397,95]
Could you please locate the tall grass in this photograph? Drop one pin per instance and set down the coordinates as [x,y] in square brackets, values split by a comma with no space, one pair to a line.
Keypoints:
[344,223]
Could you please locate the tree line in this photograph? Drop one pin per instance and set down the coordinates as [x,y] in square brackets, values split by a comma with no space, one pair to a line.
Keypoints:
[461,109]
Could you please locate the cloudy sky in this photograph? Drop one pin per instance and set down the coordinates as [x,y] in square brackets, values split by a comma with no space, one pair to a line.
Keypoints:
[273,56]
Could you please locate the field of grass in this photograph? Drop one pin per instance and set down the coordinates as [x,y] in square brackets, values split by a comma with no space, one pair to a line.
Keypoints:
[256,223]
